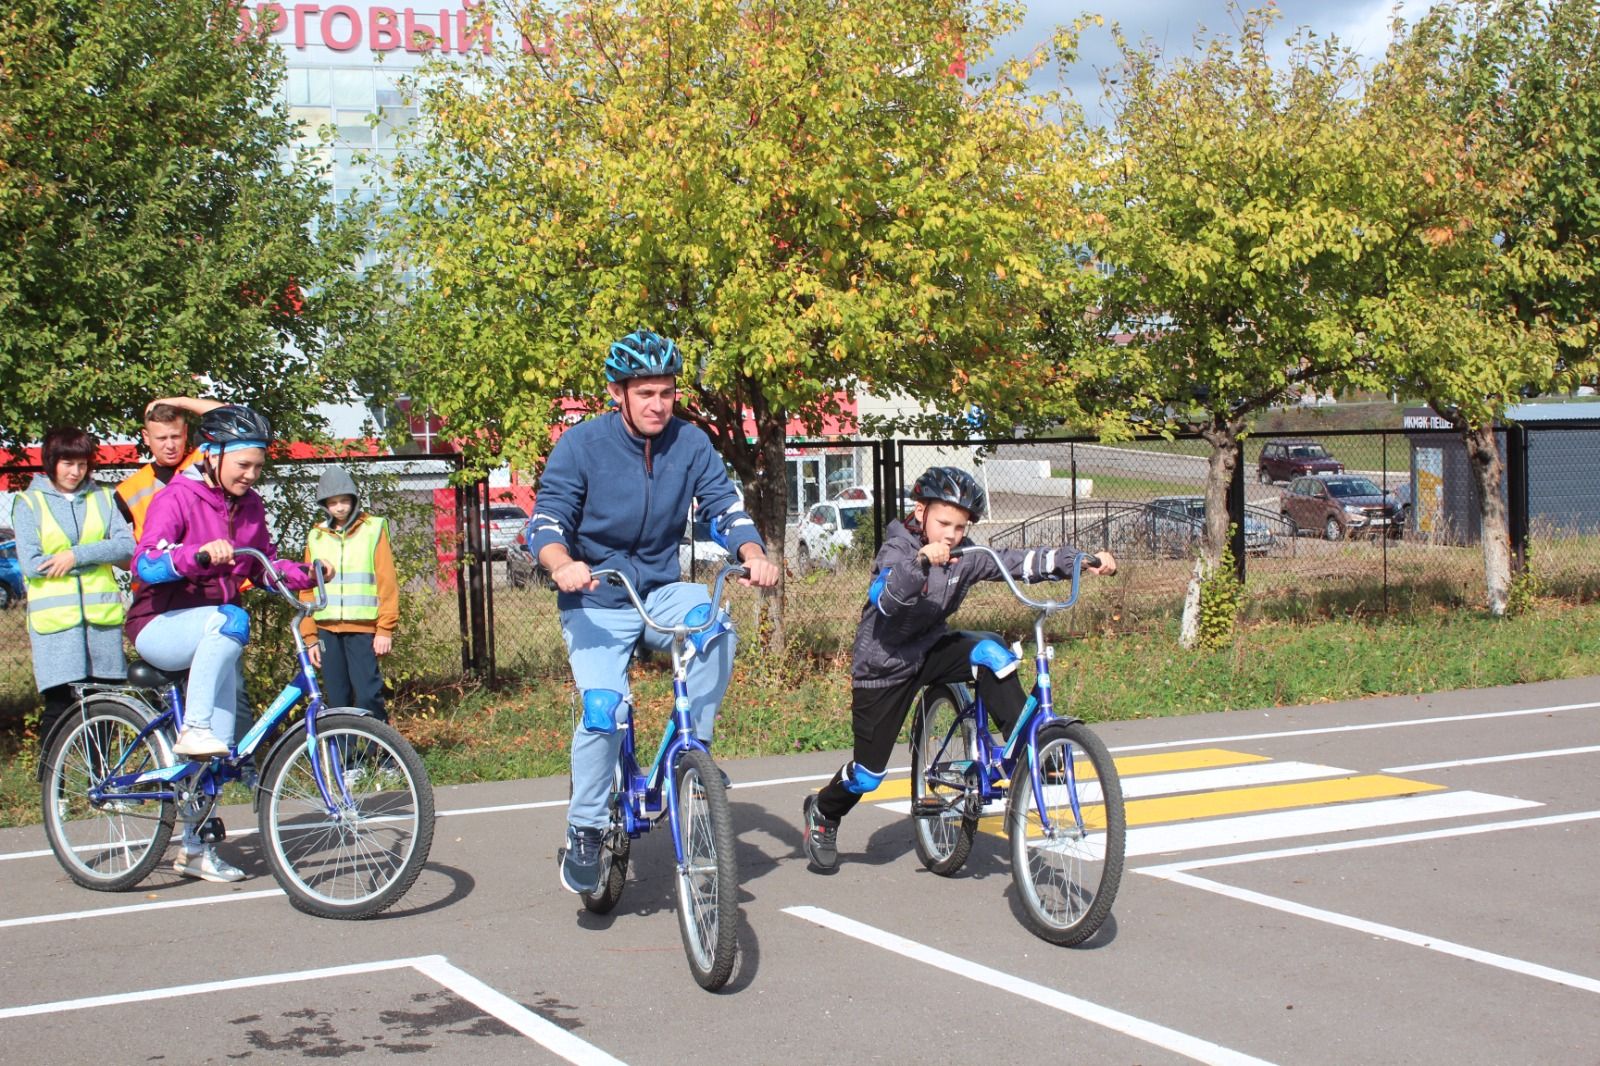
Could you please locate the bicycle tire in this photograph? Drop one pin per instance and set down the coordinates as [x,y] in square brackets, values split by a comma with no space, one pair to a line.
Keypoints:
[1068,884]
[943,842]
[111,847]
[613,857]
[379,839]
[708,878]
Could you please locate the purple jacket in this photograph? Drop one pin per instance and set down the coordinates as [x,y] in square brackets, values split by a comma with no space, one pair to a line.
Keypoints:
[183,517]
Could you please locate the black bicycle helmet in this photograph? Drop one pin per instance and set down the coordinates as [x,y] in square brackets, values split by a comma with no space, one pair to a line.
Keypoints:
[643,354]
[951,484]
[234,426]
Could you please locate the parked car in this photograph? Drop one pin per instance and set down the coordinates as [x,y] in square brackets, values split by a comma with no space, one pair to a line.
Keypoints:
[1285,460]
[827,530]
[1339,507]
[11,589]
[1176,524]
[506,521]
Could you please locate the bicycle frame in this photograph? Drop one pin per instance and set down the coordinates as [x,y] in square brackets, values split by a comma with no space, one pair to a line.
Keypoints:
[1037,713]
[647,795]
[212,774]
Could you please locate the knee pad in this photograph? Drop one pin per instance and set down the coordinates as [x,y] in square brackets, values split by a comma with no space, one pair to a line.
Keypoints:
[859,780]
[992,656]
[697,616]
[235,623]
[600,710]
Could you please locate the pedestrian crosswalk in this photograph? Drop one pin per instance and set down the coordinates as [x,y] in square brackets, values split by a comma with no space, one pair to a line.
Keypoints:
[1212,797]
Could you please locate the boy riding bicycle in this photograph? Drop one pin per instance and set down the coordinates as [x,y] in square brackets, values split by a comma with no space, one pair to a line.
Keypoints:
[615,493]
[904,644]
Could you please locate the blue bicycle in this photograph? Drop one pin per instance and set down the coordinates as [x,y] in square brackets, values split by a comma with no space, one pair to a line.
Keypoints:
[344,803]
[684,786]
[1064,814]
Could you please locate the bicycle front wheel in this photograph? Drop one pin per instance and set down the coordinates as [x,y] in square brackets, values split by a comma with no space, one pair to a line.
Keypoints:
[708,877]
[943,748]
[1067,864]
[113,844]
[360,858]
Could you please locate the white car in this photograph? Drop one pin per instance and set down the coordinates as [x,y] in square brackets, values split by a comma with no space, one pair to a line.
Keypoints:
[827,530]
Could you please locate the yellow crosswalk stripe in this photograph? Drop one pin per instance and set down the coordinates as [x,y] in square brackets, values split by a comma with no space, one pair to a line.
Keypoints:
[1249,800]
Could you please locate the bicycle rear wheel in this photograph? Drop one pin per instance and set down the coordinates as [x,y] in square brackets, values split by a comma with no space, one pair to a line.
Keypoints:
[613,857]
[1067,870]
[943,747]
[359,859]
[708,877]
[112,845]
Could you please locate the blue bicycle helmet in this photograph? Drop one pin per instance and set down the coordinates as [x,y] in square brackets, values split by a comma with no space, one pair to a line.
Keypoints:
[643,354]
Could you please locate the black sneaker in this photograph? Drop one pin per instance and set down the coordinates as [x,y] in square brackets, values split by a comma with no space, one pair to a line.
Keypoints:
[819,835]
[580,859]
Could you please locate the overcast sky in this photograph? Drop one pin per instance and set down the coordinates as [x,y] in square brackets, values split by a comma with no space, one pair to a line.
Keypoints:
[1172,25]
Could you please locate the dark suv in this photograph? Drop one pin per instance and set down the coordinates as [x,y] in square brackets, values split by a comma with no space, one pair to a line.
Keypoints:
[1285,460]
[1339,507]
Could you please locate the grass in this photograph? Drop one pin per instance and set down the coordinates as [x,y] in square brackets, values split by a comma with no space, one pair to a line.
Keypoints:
[1119,487]
[801,702]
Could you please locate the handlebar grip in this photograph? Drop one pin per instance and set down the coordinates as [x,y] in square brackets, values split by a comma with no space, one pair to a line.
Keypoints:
[202,557]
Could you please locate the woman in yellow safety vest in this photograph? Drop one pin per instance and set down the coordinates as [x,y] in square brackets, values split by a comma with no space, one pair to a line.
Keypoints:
[69,536]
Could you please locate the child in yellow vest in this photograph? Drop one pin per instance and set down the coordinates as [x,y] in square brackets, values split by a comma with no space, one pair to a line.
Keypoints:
[356,629]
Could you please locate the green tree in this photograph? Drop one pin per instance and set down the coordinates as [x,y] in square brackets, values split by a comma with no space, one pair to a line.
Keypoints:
[810,196]
[157,224]
[1236,208]
[1488,292]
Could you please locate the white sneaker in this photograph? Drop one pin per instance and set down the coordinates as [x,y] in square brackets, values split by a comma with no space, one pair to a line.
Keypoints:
[198,743]
[207,865]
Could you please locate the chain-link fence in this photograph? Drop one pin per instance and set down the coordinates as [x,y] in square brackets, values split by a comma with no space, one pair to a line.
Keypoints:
[413,492]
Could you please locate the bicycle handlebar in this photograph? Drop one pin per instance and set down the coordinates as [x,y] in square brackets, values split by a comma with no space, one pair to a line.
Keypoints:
[617,577]
[273,581]
[1047,606]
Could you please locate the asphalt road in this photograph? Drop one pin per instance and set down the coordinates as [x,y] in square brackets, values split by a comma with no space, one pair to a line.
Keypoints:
[1393,880]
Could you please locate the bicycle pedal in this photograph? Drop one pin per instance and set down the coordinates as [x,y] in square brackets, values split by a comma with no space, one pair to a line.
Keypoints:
[212,831]
[927,807]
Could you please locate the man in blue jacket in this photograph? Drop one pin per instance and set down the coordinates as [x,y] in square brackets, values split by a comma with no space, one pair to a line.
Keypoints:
[615,494]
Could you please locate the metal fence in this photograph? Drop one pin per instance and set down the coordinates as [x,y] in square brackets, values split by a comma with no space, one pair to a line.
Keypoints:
[1402,532]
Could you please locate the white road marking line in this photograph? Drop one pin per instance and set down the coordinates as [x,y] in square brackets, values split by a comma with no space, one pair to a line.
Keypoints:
[1371,842]
[1358,728]
[136,908]
[1150,1032]
[1337,818]
[1390,932]
[1486,759]
[542,1030]
[436,968]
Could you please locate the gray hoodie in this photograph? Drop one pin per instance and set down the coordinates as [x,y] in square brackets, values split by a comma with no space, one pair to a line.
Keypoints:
[908,604]
[86,650]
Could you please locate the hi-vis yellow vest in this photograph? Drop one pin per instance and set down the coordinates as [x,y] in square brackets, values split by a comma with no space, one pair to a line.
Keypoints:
[60,603]
[353,592]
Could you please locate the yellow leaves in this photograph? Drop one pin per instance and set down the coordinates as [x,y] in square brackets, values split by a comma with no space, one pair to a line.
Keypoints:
[1000,271]
[1438,236]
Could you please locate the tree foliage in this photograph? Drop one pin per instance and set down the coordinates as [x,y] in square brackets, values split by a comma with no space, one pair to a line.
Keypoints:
[157,224]
[1234,209]
[1488,292]
[808,195]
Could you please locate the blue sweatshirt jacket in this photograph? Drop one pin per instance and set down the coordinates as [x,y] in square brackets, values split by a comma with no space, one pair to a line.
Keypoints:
[616,505]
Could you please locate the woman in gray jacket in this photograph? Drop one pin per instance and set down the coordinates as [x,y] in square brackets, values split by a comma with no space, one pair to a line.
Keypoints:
[69,536]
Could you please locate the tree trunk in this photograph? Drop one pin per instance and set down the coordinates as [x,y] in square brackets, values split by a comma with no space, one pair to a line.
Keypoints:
[1488,470]
[1224,440]
[763,471]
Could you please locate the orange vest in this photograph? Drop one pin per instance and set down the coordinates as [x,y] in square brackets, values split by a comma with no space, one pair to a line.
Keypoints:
[140,487]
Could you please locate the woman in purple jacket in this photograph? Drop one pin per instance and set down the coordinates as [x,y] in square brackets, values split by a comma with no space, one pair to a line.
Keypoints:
[187,616]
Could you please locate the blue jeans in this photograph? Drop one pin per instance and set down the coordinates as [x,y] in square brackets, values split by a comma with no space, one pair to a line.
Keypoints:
[193,639]
[599,646]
